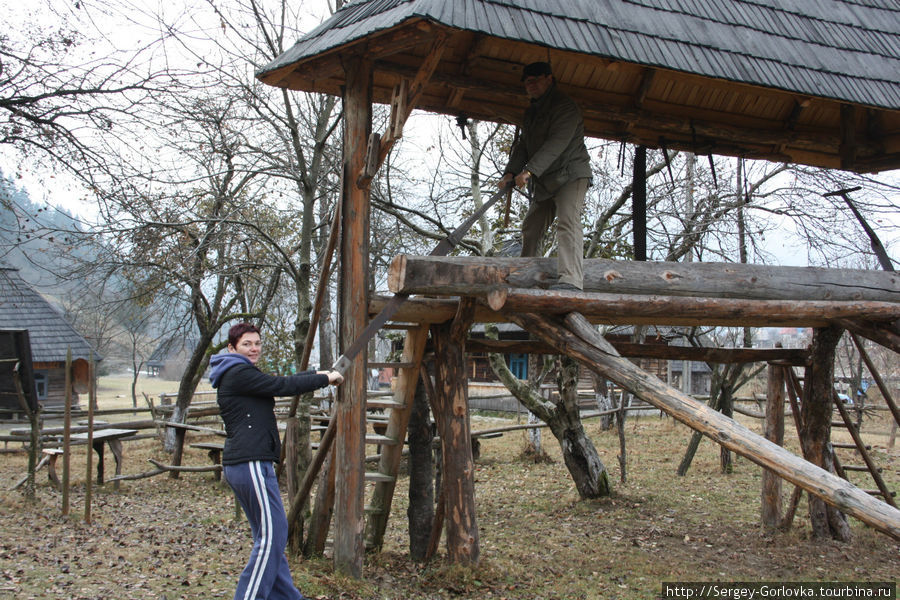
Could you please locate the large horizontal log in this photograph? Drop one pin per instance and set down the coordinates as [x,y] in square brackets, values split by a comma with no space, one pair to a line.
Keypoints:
[578,339]
[461,276]
[618,309]
[709,311]
[790,356]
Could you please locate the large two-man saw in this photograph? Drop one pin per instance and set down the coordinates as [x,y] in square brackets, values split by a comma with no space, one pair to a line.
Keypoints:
[394,304]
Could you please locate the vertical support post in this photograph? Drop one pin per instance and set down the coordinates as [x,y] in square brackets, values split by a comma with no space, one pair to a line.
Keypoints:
[816,409]
[67,434]
[349,459]
[774,432]
[88,486]
[451,414]
[639,202]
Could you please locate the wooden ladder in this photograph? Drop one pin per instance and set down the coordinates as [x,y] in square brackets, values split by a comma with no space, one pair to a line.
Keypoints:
[863,450]
[398,409]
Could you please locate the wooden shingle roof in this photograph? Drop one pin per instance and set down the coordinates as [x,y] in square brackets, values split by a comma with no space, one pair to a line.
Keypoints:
[21,307]
[812,82]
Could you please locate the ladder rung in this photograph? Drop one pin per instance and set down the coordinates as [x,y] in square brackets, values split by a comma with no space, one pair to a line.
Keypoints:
[386,402]
[376,476]
[401,326]
[838,424]
[858,468]
[381,440]
[391,365]
[878,493]
[848,445]
[373,510]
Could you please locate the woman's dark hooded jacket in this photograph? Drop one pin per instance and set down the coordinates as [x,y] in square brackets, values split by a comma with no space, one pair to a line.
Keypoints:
[246,398]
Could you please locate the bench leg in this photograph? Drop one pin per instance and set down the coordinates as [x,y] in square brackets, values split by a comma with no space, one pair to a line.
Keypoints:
[51,472]
[98,447]
[215,456]
[116,447]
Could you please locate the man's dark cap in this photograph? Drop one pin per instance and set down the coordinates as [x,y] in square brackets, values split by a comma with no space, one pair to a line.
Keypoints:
[535,69]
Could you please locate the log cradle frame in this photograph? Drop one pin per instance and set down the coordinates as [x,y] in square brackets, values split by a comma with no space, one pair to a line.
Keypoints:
[464,59]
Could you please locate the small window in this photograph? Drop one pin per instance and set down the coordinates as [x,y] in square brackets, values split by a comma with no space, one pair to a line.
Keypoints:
[40,385]
[518,364]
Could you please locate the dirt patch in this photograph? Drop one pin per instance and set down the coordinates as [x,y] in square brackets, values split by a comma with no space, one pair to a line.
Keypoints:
[162,538]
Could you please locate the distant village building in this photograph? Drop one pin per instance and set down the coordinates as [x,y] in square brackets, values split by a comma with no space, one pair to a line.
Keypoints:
[171,356]
[51,336]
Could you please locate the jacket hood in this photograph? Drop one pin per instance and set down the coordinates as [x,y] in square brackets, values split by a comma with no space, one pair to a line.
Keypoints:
[222,362]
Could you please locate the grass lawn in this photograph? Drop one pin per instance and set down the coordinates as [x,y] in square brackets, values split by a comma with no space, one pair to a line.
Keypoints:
[178,538]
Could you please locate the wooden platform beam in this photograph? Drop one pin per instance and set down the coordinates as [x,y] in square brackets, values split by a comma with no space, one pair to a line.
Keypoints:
[448,276]
[619,309]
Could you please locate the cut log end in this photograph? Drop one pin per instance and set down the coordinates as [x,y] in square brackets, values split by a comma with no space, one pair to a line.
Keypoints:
[497,298]
[397,273]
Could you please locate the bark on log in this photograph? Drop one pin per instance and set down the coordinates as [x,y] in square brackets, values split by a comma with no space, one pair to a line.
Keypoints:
[480,275]
[451,413]
[589,347]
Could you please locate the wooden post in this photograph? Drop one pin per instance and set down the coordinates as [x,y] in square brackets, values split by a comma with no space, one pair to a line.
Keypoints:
[815,439]
[88,487]
[774,432]
[67,435]
[291,453]
[451,414]
[350,455]
[639,202]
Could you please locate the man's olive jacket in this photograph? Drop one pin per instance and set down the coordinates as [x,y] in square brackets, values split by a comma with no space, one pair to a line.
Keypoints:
[551,144]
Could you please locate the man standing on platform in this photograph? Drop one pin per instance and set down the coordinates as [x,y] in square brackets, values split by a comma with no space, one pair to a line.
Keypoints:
[551,159]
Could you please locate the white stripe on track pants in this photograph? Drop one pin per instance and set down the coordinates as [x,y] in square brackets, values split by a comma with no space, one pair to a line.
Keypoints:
[267,575]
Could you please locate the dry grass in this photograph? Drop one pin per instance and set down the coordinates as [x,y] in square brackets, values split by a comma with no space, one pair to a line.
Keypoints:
[162,538]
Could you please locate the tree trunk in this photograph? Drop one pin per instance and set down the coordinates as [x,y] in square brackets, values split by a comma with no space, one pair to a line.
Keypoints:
[420,435]
[564,420]
[581,457]
[603,396]
[815,439]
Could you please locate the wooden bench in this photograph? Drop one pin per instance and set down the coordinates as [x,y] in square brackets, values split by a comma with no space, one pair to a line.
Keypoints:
[112,438]
[51,455]
[214,452]
[49,459]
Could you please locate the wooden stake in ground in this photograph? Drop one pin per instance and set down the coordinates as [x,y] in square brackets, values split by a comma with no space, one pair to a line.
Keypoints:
[774,432]
[88,487]
[67,434]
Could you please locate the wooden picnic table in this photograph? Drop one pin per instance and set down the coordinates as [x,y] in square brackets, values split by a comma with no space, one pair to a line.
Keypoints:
[111,438]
